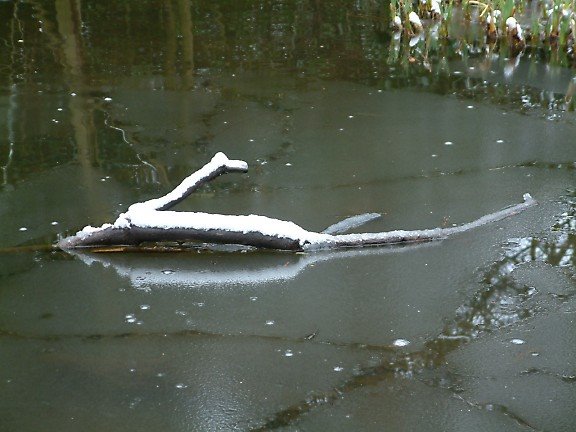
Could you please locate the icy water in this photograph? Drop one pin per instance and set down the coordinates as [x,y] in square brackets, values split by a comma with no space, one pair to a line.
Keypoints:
[104,104]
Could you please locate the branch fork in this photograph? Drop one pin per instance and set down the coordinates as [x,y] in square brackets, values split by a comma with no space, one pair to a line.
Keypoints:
[152,221]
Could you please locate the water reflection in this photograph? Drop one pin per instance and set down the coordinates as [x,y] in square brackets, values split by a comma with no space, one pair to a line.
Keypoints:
[504,302]
[193,44]
[190,269]
[501,303]
[128,95]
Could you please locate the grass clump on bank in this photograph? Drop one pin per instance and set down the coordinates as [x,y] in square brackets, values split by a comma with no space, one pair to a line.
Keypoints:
[518,23]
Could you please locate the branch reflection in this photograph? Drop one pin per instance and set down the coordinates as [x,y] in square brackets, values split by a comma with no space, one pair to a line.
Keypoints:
[219,269]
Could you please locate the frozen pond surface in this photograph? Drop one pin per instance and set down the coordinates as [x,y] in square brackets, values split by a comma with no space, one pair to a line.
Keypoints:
[474,333]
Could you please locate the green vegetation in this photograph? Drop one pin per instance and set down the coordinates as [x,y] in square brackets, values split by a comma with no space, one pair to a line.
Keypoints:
[538,23]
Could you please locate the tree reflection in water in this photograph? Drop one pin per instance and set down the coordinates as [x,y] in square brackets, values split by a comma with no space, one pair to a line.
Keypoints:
[503,302]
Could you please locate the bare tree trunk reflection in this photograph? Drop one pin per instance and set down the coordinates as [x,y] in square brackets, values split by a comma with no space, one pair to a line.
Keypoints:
[187,43]
[171,48]
[179,35]
[68,19]
[81,107]
[12,101]
[10,121]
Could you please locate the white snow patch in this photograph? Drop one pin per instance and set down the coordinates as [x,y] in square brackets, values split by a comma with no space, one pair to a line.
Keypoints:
[88,230]
[144,218]
[122,222]
[511,23]
[401,342]
[219,160]
[415,20]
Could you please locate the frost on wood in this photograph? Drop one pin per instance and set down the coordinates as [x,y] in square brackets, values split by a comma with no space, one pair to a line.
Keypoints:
[150,221]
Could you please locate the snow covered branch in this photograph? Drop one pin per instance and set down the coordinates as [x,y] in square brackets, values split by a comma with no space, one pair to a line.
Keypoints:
[219,164]
[151,222]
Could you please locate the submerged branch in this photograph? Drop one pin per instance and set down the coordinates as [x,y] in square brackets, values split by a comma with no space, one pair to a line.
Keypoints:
[150,221]
[351,223]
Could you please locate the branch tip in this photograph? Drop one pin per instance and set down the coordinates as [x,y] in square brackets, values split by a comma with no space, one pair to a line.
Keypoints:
[528,199]
[222,160]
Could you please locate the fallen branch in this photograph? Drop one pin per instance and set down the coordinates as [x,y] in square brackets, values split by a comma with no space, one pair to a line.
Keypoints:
[150,221]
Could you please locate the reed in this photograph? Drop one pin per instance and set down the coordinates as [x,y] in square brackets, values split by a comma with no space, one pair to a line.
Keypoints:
[541,23]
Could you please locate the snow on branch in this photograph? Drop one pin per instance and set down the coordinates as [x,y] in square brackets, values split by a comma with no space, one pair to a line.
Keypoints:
[220,164]
[150,221]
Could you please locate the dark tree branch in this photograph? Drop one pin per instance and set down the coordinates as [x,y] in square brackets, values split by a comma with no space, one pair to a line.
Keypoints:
[150,221]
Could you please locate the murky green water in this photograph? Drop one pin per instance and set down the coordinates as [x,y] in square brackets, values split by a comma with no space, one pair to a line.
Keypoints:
[105,104]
